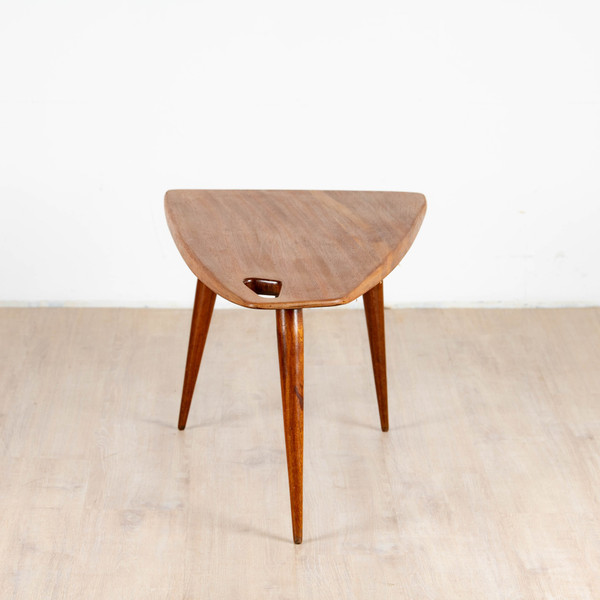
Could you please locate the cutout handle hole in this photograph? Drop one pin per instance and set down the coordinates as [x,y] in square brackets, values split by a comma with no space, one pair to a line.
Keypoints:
[267,288]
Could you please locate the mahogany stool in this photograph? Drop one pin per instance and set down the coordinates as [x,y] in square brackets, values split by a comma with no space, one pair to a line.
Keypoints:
[286,251]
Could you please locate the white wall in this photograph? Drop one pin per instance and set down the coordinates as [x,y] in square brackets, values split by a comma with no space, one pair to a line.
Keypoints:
[492,109]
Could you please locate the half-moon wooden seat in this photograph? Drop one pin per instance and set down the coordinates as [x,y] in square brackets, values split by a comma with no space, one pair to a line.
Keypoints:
[322,248]
[289,250]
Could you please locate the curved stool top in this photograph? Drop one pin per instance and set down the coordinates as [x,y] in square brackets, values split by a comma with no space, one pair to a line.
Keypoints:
[292,249]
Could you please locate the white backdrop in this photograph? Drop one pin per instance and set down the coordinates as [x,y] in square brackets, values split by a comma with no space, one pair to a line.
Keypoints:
[491,109]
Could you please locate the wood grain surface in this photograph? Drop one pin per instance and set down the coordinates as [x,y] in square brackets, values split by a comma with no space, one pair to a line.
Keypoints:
[290,345]
[374,313]
[204,304]
[311,248]
[486,486]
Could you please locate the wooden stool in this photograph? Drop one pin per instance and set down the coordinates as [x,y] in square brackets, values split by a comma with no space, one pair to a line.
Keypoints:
[285,251]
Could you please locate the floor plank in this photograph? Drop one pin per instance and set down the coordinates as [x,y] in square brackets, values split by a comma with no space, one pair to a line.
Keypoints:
[486,486]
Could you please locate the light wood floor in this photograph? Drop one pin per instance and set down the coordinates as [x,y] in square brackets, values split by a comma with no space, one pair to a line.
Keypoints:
[486,486]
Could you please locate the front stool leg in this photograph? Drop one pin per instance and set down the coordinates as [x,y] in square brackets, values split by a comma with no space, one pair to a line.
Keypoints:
[373,301]
[203,309]
[290,342]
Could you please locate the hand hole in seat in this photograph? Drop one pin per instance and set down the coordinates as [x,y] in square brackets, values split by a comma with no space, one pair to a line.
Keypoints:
[267,288]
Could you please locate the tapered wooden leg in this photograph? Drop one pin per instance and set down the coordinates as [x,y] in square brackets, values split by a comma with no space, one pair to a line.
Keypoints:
[373,301]
[290,342]
[203,309]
